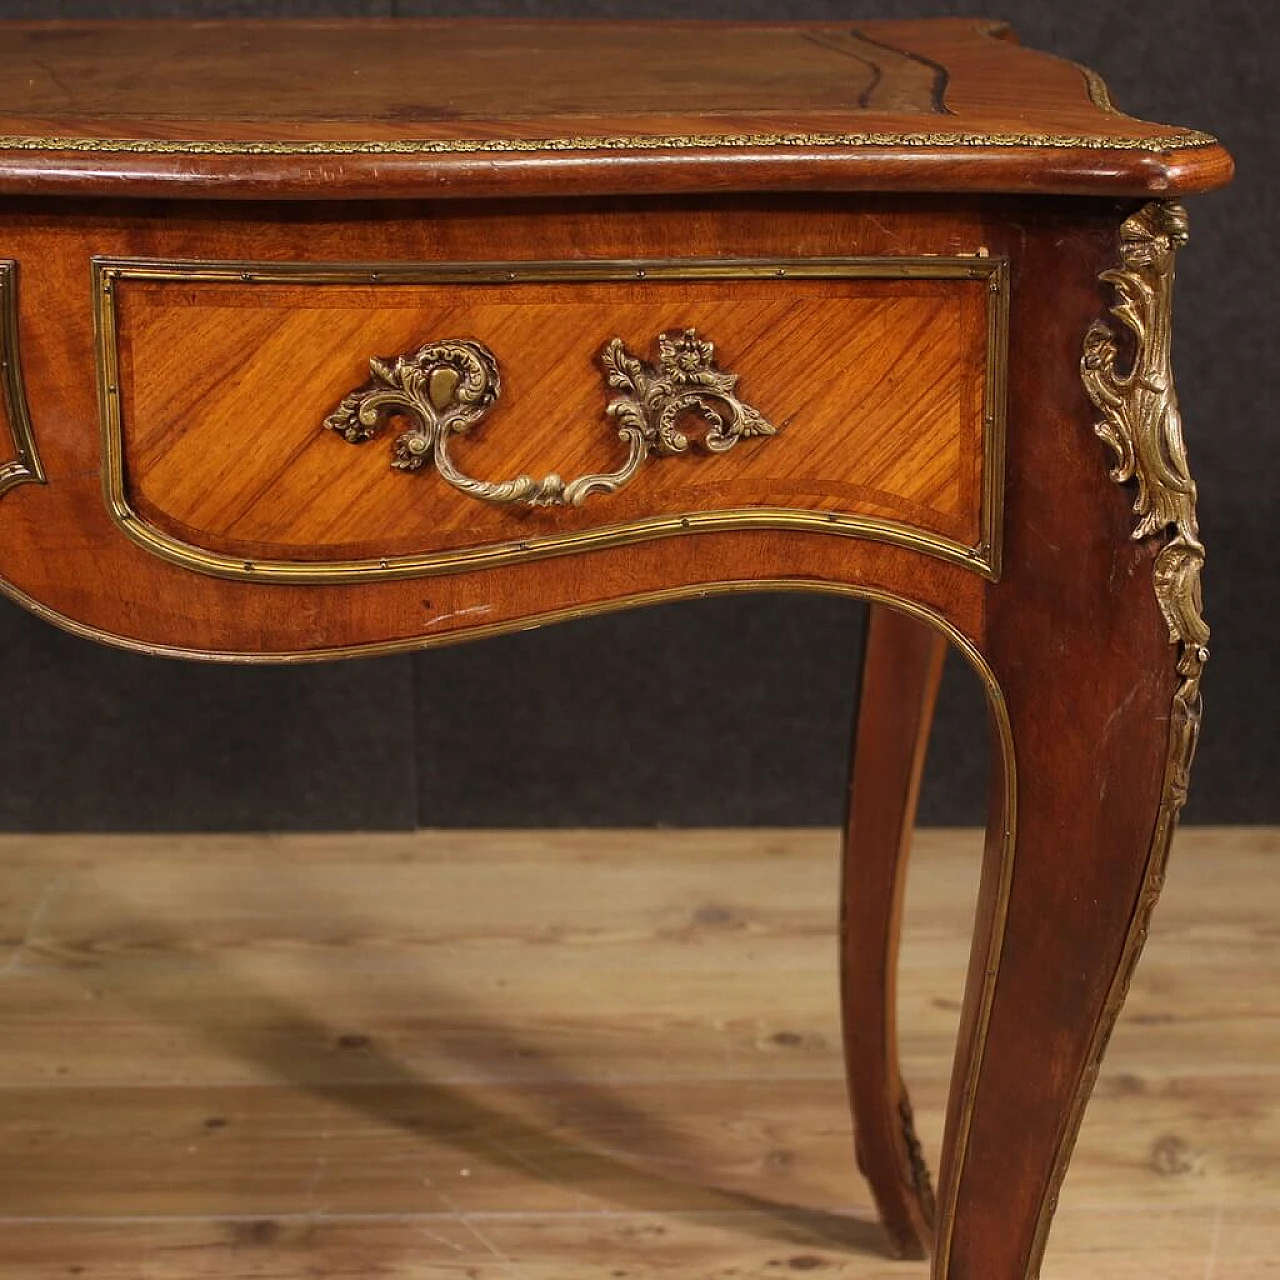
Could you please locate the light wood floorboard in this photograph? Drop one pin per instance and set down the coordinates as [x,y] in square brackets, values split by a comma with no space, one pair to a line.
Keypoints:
[573,1056]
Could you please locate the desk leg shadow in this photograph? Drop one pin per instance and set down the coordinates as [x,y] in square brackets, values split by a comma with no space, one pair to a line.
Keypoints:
[449,1114]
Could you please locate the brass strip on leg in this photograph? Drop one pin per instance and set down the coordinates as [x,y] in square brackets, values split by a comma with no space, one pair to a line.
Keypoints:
[26,467]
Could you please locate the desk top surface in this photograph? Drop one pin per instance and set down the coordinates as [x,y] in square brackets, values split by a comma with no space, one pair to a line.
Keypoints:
[409,108]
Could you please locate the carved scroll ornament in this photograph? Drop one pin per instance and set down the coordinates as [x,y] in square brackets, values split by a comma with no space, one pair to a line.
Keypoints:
[1141,424]
[445,388]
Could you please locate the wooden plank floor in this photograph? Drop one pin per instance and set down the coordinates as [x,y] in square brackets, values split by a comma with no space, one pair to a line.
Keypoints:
[611,1056]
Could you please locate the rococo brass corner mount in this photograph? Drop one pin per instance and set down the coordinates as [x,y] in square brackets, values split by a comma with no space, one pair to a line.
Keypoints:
[1142,425]
[447,387]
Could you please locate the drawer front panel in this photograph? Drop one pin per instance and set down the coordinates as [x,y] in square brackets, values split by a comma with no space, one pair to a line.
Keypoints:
[881,381]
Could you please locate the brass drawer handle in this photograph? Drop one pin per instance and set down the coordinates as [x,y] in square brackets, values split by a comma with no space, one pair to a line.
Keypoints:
[446,388]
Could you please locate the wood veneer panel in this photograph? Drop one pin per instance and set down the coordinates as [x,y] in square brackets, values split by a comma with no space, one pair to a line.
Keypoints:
[878,389]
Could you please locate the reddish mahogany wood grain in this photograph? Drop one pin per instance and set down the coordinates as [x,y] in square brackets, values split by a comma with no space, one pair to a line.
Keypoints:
[1074,653]
[1083,658]
[60,544]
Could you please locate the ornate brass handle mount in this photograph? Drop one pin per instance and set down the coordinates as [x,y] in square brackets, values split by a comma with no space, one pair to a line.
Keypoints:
[446,388]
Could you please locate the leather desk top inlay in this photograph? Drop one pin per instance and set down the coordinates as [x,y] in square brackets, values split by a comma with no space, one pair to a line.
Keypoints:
[870,105]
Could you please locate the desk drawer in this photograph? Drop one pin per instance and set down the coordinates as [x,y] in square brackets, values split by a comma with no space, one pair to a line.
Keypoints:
[248,435]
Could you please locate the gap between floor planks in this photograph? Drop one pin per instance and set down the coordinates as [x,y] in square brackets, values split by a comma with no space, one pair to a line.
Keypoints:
[518,1056]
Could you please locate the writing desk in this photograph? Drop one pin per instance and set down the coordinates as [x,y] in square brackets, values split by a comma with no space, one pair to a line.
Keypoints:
[334,339]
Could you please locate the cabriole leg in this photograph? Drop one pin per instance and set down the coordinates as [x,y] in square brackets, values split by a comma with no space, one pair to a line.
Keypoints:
[901,668]
[1095,643]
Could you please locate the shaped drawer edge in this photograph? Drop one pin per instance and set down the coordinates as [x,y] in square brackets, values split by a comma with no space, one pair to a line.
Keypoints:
[514,411]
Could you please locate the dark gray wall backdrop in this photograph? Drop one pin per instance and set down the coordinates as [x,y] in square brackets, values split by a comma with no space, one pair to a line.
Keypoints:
[722,712]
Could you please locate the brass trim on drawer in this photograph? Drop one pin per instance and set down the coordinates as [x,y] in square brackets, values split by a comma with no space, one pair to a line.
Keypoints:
[26,467]
[983,557]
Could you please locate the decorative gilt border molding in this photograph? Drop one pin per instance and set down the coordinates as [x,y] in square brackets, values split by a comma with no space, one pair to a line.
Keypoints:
[26,467]
[983,556]
[1178,141]
[1142,426]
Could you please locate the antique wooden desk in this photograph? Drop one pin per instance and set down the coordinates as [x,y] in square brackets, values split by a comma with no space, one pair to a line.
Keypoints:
[324,340]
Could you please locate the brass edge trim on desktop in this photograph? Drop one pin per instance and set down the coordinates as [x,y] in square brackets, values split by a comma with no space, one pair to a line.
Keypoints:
[1161,143]
[1142,426]
[26,467]
[984,557]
